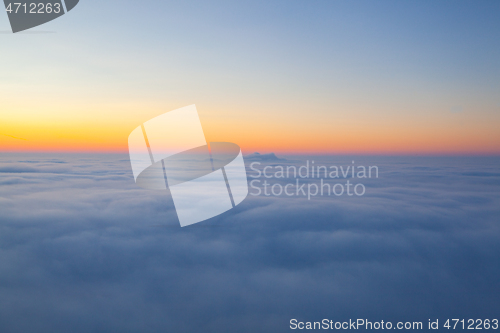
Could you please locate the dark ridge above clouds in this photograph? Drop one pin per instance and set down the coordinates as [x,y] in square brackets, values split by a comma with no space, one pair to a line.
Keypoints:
[271,157]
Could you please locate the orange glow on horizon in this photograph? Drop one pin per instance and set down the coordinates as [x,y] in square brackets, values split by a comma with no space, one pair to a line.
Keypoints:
[340,145]
[349,132]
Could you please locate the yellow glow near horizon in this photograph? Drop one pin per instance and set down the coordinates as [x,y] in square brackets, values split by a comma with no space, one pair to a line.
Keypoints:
[105,128]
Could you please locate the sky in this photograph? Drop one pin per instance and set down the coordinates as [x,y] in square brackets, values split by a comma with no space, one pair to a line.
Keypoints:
[84,249]
[321,77]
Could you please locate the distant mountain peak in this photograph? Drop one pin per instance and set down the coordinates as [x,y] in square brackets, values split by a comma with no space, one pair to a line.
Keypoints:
[263,157]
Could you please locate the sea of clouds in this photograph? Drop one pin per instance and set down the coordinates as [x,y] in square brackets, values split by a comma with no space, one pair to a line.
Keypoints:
[83,249]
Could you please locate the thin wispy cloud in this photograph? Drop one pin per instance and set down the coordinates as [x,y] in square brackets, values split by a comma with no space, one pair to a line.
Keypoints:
[14,137]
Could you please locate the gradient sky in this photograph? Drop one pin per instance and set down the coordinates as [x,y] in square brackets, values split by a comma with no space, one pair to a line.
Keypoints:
[283,76]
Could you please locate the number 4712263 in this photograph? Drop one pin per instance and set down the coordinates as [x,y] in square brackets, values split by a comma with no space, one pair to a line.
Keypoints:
[33,8]
[471,324]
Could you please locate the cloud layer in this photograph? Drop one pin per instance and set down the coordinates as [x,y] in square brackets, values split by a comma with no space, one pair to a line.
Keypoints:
[83,249]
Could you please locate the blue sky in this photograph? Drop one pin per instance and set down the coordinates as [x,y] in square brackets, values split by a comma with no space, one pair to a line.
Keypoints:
[377,72]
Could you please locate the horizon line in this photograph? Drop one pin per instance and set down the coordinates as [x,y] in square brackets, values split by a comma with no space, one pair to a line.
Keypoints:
[279,153]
